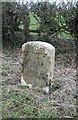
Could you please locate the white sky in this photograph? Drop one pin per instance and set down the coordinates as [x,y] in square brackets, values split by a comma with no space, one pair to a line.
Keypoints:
[57,1]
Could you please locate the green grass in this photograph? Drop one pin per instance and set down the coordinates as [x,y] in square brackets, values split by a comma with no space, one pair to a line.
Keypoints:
[33,22]
[17,104]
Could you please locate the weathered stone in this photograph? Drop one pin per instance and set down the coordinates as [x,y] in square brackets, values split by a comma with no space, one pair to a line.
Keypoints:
[37,63]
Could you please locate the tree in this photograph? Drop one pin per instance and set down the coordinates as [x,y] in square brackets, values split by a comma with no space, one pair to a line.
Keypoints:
[46,14]
[10,21]
[13,15]
[69,21]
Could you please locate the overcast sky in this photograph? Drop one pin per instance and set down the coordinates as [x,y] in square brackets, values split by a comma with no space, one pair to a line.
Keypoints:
[57,1]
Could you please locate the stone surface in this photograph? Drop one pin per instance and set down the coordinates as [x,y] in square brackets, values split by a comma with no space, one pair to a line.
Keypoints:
[37,63]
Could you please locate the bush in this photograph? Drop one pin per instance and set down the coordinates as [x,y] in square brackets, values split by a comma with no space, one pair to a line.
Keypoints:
[11,20]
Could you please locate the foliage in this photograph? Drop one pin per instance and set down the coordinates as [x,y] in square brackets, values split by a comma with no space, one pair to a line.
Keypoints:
[50,21]
[69,21]
[46,15]
[13,15]
[68,18]
[9,21]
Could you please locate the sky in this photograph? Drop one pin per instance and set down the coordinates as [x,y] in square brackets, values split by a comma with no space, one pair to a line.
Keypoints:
[57,1]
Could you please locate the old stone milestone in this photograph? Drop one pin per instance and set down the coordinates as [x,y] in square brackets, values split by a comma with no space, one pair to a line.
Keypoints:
[37,63]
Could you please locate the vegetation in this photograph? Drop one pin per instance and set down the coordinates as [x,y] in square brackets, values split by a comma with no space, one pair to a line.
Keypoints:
[42,18]
[47,14]
[69,21]
[37,21]
[22,102]
[12,19]
[21,105]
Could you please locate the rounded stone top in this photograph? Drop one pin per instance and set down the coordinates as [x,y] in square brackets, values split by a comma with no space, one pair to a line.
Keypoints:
[39,44]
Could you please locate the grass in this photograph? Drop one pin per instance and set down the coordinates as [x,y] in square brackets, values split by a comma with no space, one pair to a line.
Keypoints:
[33,22]
[20,105]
